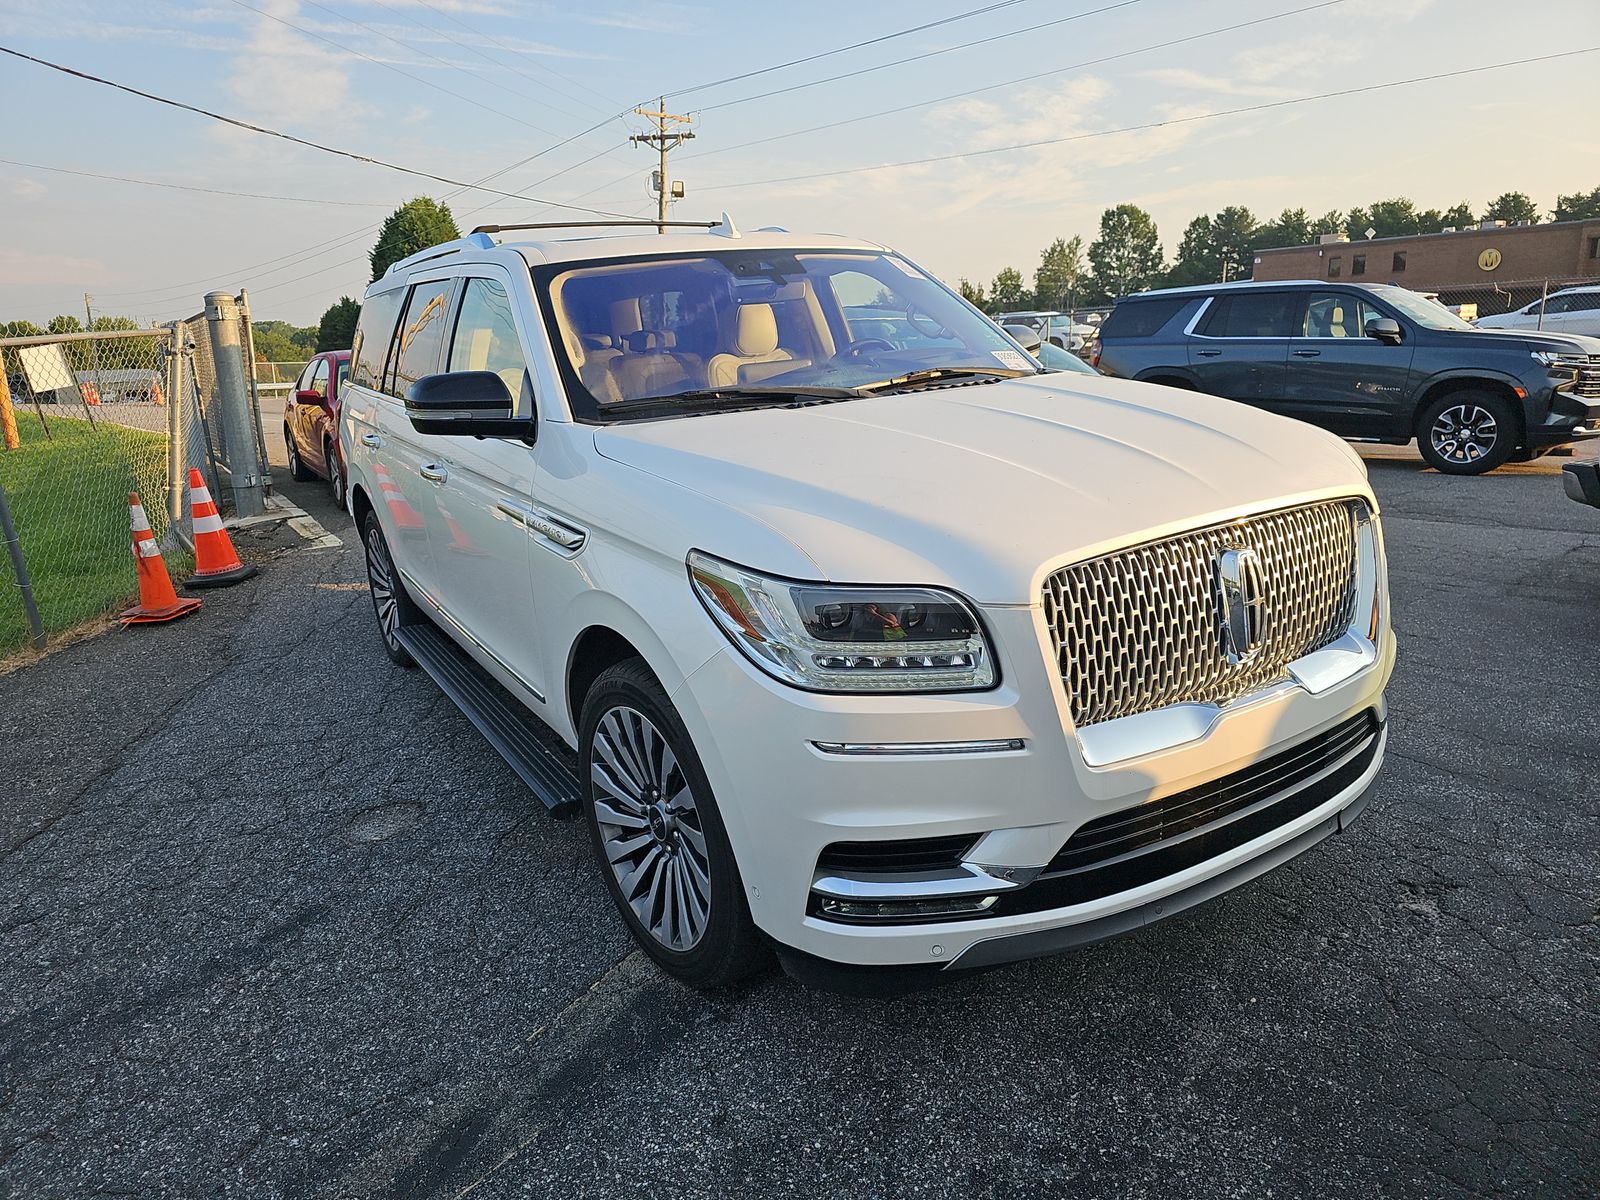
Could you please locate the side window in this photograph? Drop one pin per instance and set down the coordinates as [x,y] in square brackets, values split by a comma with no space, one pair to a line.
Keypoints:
[374,333]
[486,335]
[1559,304]
[1586,302]
[1250,314]
[319,377]
[421,339]
[1334,315]
[1141,318]
[304,381]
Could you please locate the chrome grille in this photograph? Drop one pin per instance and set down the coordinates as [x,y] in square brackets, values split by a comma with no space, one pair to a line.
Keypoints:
[1140,629]
[1588,385]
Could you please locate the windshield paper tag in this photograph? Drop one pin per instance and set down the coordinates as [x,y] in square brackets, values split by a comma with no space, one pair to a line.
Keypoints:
[1010,358]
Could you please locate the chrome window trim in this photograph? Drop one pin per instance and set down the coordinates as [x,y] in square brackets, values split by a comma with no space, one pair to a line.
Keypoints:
[1205,307]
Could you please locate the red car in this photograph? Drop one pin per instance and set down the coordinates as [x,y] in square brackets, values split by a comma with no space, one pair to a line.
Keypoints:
[311,421]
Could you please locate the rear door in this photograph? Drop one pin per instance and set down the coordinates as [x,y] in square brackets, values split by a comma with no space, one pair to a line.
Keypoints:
[314,415]
[1239,346]
[480,543]
[409,493]
[1340,378]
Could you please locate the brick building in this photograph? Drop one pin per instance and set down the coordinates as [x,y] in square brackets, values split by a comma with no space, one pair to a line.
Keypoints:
[1497,267]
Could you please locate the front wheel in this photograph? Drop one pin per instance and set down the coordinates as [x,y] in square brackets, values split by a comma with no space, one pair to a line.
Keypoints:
[657,832]
[298,471]
[1467,433]
[335,473]
[389,600]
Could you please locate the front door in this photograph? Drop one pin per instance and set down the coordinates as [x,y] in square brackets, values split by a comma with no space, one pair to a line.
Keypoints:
[1239,346]
[481,543]
[1340,378]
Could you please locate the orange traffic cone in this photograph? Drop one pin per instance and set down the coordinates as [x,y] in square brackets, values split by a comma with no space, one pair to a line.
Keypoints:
[215,562]
[157,600]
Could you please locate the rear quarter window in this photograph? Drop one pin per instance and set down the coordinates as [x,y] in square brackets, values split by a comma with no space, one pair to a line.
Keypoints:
[1141,318]
[374,332]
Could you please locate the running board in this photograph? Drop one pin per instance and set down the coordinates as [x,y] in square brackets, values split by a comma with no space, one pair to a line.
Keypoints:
[535,753]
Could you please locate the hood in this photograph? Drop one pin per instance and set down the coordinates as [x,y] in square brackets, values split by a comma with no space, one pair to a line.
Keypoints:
[1532,339]
[986,488]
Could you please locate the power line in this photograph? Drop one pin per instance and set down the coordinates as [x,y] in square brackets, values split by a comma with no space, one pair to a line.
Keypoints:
[900,62]
[886,37]
[187,187]
[992,87]
[289,137]
[513,50]
[445,62]
[1231,112]
[391,67]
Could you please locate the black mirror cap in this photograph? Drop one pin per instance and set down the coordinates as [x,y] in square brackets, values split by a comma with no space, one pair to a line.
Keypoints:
[465,403]
[1385,329]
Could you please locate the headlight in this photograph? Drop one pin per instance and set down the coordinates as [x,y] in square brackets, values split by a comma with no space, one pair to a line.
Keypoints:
[1555,358]
[846,639]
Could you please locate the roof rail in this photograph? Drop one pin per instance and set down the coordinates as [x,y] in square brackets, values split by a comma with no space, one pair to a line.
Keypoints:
[598,225]
[473,241]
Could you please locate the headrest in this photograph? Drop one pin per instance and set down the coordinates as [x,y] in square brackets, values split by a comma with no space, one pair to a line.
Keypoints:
[645,341]
[598,341]
[757,331]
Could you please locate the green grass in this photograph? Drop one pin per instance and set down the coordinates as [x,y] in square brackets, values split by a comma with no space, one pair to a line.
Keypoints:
[69,498]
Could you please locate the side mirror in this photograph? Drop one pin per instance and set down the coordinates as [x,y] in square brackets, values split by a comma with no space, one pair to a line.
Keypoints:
[465,403]
[308,396]
[1385,329]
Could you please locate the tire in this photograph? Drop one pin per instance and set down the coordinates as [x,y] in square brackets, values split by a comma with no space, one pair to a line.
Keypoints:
[298,471]
[658,836]
[390,604]
[335,473]
[1467,433]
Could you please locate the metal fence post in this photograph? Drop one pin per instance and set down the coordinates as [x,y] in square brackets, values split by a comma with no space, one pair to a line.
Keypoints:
[255,391]
[222,319]
[9,531]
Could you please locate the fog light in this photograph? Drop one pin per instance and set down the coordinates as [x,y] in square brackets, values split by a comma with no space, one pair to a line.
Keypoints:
[905,910]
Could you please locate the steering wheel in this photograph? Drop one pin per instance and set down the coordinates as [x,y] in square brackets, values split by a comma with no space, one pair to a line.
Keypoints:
[927,326]
[857,349]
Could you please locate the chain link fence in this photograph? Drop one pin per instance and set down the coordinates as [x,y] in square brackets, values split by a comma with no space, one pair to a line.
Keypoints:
[85,419]
[1545,309]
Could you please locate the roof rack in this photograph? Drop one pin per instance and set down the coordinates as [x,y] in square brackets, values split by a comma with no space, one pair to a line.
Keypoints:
[597,225]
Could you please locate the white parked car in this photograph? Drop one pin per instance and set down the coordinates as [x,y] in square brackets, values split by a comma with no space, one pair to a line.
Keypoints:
[1571,310]
[850,632]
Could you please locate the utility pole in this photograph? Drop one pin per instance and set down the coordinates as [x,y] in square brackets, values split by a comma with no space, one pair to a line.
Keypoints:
[667,136]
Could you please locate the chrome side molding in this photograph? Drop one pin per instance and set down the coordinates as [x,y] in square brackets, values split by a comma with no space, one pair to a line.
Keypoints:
[989,746]
[550,530]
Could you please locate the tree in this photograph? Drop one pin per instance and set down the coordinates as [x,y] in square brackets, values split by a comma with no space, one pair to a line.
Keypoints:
[1578,206]
[337,329]
[1196,260]
[1127,255]
[1292,228]
[64,323]
[415,225]
[1331,221]
[971,292]
[1391,218]
[1055,283]
[1233,233]
[1006,293]
[279,341]
[19,329]
[1458,217]
[1512,207]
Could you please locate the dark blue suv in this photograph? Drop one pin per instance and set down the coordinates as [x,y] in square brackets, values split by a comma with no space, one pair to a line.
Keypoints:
[1370,363]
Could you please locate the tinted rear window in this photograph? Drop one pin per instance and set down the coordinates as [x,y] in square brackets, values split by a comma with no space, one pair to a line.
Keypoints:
[1141,318]
[1250,314]
[374,332]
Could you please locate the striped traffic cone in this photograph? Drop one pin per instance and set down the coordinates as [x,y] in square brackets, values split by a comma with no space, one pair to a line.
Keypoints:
[157,600]
[215,562]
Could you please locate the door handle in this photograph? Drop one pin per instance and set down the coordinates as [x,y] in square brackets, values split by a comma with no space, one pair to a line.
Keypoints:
[434,473]
[1307,353]
[371,439]
[1208,353]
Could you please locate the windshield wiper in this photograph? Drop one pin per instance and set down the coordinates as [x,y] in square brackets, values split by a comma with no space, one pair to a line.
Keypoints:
[724,399]
[939,374]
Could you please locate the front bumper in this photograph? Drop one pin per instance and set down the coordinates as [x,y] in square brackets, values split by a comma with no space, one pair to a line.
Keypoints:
[1581,480]
[1021,797]
[1570,418]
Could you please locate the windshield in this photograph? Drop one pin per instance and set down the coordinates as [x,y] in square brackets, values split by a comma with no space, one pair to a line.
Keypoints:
[1057,359]
[701,332]
[1427,313]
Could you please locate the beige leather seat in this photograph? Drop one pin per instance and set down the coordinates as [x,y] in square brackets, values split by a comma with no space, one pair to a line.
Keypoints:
[648,368]
[600,351]
[755,355]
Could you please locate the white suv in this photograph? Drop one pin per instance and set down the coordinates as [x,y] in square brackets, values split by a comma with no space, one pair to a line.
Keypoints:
[853,633]
[1572,310]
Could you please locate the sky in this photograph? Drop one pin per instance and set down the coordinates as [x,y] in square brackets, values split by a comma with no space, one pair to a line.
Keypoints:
[466,88]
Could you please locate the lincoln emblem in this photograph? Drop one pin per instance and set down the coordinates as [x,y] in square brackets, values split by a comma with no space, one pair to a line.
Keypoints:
[1241,603]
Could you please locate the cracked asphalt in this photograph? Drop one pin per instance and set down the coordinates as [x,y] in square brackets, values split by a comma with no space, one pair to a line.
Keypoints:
[277,922]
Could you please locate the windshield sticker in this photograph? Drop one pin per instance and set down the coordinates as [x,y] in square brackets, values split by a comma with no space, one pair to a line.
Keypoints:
[1012,359]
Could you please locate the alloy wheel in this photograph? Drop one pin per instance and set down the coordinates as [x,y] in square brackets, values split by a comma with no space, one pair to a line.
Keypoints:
[335,477]
[380,577]
[1464,434]
[650,827]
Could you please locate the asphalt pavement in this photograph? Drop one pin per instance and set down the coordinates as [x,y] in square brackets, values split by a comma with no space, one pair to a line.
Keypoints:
[277,922]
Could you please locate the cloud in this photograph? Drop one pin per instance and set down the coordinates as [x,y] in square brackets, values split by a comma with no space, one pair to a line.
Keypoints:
[28,187]
[26,267]
[286,79]
[659,18]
